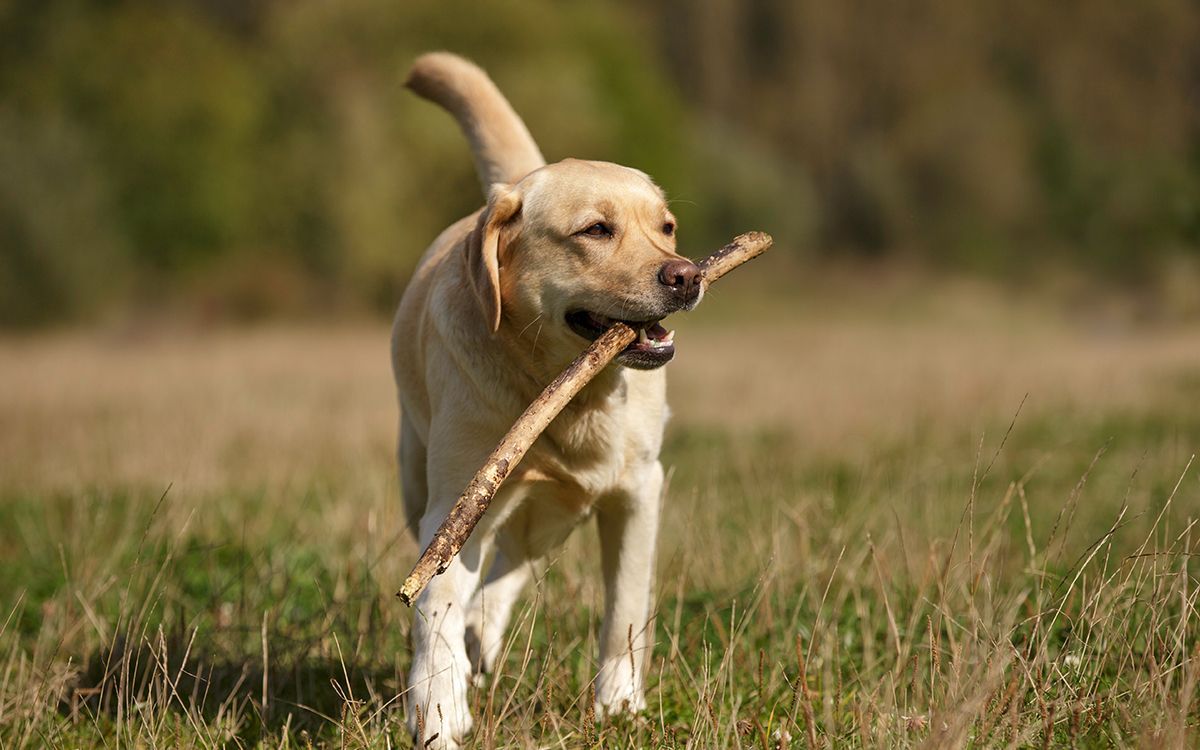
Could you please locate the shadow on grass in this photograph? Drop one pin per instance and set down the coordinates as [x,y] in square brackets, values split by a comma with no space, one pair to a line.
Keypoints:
[297,693]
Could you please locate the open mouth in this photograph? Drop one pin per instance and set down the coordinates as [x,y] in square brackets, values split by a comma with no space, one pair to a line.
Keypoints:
[654,347]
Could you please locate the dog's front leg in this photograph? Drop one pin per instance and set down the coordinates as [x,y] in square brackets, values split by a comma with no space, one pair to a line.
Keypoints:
[440,668]
[628,525]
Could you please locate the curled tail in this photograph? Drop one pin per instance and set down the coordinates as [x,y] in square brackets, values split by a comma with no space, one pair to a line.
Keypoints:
[504,151]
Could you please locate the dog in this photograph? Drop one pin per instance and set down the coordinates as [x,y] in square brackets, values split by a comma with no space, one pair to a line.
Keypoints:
[500,303]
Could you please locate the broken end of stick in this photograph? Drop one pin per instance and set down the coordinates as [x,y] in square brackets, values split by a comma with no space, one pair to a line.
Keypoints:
[744,247]
[426,568]
[755,238]
[411,588]
[751,245]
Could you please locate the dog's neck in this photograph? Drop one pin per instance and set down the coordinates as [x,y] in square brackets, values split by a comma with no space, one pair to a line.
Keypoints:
[535,370]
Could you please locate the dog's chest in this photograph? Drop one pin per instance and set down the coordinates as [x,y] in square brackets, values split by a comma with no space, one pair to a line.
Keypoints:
[586,449]
[594,447]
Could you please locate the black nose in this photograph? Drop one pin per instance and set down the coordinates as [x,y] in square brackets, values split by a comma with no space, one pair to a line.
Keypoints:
[683,277]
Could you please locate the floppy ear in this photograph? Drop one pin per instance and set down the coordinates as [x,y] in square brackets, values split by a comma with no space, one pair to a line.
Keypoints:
[485,247]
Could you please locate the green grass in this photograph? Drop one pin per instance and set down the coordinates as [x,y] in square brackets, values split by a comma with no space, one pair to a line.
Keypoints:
[1018,580]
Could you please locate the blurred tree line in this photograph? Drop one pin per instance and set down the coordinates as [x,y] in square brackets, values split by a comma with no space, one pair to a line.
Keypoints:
[256,156]
[988,134]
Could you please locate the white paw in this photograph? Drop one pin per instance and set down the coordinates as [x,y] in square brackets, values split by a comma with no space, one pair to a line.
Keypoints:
[438,742]
[619,689]
[633,703]
[439,729]
[439,716]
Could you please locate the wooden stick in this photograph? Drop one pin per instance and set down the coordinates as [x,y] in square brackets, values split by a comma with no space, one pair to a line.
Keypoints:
[475,499]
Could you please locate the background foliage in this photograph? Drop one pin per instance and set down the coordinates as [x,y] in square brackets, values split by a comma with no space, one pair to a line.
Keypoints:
[259,157]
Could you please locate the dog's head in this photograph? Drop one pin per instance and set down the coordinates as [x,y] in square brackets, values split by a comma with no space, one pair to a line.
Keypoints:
[575,246]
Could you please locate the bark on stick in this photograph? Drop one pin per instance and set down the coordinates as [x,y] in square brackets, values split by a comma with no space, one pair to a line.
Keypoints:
[475,499]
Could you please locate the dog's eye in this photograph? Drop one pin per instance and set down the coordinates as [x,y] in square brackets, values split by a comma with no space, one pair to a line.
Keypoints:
[599,229]
[668,229]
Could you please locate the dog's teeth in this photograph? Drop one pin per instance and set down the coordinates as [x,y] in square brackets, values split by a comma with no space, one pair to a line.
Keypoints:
[642,338]
[669,337]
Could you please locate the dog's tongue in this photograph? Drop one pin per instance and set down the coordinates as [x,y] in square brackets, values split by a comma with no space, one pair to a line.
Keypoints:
[653,336]
[655,331]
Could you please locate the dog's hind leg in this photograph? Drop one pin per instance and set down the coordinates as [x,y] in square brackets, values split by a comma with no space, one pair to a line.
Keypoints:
[491,607]
[414,489]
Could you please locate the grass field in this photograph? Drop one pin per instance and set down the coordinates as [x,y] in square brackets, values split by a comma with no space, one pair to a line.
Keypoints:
[894,519]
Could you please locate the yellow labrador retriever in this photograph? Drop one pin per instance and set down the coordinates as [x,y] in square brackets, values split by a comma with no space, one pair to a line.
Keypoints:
[500,303]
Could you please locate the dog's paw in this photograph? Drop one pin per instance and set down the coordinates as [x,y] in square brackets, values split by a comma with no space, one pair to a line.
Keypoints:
[633,703]
[619,689]
[439,730]
[440,717]
[436,742]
